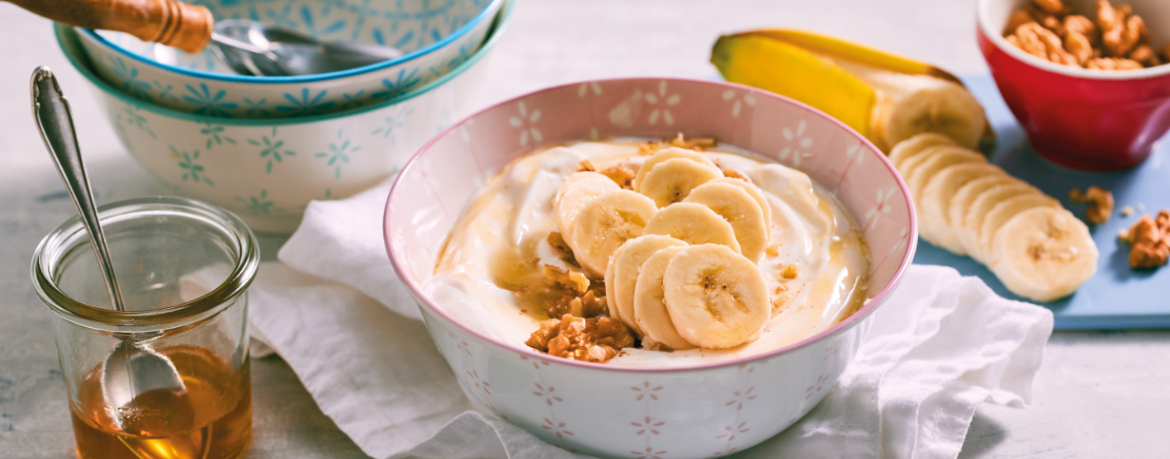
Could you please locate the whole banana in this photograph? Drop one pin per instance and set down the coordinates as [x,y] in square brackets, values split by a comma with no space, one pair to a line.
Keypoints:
[887,98]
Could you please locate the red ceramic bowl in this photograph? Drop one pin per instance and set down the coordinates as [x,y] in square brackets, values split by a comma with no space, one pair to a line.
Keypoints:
[1081,119]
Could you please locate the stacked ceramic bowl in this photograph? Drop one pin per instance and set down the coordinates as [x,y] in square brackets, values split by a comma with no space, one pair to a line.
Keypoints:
[264,147]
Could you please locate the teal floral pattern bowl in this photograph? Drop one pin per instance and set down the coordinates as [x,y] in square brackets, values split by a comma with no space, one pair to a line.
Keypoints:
[437,36]
[267,171]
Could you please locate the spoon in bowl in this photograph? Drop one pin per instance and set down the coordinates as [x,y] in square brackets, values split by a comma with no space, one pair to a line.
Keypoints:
[133,368]
[253,48]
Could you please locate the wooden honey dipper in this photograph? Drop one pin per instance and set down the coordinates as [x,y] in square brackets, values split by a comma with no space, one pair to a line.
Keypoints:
[169,22]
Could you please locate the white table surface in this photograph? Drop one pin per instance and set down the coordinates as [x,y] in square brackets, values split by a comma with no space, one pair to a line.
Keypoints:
[1098,394]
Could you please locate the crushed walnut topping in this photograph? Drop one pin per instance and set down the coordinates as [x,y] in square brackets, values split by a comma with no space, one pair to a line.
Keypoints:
[572,280]
[1100,203]
[1117,40]
[577,295]
[781,300]
[789,272]
[1149,241]
[697,144]
[621,173]
[585,166]
[557,241]
[591,340]
[732,173]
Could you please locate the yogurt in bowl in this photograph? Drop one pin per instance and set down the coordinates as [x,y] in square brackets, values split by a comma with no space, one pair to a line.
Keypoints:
[508,269]
[719,401]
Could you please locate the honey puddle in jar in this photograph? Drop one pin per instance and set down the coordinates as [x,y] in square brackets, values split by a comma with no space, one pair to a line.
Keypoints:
[211,420]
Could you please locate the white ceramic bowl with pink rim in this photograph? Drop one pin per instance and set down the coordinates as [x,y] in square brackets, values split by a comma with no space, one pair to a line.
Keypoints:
[680,412]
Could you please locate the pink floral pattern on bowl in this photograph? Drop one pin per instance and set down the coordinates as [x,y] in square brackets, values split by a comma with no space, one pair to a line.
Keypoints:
[705,410]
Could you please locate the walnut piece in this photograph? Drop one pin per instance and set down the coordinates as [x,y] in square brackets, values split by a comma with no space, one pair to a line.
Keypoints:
[1043,43]
[1149,241]
[585,166]
[1049,6]
[591,340]
[570,280]
[1144,54]
[781,300]
[1075,23]
[1100,203]
[621,173]
[557,241]
[1119,33]
[1018,18]
[732,173]
[1078,45]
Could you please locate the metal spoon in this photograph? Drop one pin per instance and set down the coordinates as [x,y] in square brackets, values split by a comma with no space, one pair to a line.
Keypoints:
[246,59]
[133,368]
[252,48]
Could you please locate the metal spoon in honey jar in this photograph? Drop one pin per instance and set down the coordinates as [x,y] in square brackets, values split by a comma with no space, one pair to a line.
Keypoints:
[133,368]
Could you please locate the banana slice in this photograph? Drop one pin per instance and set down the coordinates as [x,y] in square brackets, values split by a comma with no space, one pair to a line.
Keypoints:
[625,265]
[693,223]
[672,180]
[716,298]
[604,224]
[910,164]
[756,193]
[940,158]
[980,207]
[610,304]
[671,153]
[1003,212]
[578,190]
[937,197]
[914,146]
[966,195]
[1044,254]
[738,207]
[649,306]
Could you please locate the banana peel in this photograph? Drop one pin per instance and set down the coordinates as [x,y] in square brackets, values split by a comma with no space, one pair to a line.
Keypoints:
[823,72]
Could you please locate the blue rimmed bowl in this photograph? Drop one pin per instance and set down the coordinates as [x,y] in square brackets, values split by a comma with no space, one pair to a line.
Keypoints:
[437,36]
[267,171]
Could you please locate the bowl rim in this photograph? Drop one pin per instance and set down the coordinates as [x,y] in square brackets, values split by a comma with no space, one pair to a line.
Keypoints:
[997,40]
[494,36]
[426,302]
[485,14]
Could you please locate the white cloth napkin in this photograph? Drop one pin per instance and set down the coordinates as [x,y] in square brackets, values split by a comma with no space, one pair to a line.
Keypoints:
[336,313]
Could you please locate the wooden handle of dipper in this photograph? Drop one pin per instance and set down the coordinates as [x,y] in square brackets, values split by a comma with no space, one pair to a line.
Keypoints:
[170,22]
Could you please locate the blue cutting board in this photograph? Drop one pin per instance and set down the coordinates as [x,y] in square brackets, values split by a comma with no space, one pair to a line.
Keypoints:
[1116,297]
